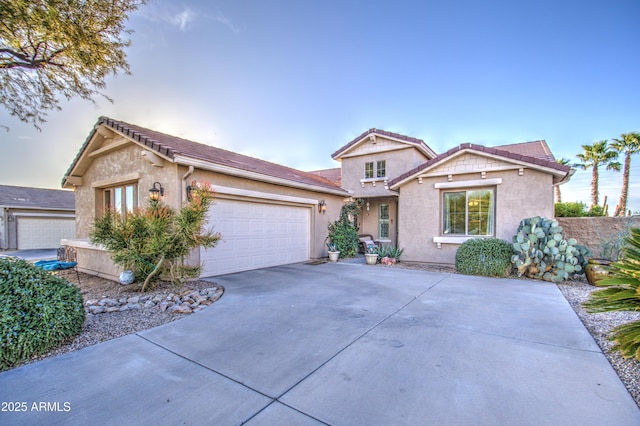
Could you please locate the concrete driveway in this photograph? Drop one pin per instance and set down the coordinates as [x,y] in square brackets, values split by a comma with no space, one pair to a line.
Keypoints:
[340,344]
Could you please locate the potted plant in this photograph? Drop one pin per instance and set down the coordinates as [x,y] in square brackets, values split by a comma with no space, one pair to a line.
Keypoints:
[334,254]
[371,255]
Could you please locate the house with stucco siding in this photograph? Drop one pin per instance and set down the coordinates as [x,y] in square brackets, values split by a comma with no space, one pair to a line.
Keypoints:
[269,214]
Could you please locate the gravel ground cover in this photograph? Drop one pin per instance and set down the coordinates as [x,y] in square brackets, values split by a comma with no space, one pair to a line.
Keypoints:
[102,327]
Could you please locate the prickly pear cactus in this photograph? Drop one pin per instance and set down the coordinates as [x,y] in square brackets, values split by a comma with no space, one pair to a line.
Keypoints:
[542,252]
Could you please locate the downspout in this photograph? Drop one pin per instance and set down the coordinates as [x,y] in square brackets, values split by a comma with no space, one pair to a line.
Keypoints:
[184,183]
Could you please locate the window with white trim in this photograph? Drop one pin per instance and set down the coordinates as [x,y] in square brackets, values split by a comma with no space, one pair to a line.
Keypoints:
[383,221]
[368,170]
[120,199]
[469,213]
[375,169]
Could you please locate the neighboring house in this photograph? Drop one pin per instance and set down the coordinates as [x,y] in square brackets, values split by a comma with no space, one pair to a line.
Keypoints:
[269,214]
[35,218]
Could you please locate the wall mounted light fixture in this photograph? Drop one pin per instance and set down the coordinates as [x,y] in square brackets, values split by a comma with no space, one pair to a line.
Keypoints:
[322,206]
[156,192]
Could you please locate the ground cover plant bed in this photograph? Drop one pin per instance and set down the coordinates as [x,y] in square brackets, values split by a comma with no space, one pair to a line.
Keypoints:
[105,326]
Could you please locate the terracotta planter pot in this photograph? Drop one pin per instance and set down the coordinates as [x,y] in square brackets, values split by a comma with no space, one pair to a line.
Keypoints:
[597,269]
[334,255]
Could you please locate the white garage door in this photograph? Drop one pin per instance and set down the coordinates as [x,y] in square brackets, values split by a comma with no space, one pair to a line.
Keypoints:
[255,235]
[41,233]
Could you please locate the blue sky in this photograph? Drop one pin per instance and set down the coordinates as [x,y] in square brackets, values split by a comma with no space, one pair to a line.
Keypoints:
[292,81]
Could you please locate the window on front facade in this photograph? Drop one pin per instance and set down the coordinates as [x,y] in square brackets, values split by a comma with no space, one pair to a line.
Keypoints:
[468,212]
[121,199]
[375,170]
[368,170]
[383,221]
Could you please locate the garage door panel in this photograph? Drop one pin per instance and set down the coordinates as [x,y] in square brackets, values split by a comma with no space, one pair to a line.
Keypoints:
[256,235]
[42,233]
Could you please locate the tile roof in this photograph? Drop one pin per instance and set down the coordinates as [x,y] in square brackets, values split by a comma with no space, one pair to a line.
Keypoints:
[414,141]
[173,146]
[537,149]
[37,198]
[498,151]
[334,175]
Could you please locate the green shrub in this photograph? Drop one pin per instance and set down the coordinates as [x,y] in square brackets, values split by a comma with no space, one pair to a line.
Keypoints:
[38,311]
[622,294]
[155,242]
[578,209]
[489,257]
[343,233]
[570,209]
[595,211]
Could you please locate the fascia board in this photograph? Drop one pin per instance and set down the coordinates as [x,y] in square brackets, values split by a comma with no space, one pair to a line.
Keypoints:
[232,171]
[523,164]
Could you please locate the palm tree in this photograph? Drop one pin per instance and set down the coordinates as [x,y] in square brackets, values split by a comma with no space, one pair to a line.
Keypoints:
[629,143]
[564,162]
[596,155]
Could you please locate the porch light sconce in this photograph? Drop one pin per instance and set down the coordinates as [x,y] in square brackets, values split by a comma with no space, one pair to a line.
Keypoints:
[156,192]
[189,189]
[368,206]
[322,207]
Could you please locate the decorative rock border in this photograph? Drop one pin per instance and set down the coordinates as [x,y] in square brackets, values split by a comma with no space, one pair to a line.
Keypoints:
[185,303]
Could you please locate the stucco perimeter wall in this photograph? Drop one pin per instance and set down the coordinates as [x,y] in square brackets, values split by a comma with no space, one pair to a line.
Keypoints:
[594,231]
[420,210]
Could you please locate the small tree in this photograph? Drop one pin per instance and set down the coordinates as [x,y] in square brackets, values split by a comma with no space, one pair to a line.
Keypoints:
[52,48]
[155,241]
[628,144]
[344,232]
[594,156]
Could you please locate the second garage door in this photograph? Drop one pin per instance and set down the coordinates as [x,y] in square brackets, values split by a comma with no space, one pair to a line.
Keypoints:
[44,233]
[255,235]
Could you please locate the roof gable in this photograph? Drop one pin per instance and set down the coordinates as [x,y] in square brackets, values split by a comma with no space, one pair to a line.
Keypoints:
[536,149]
[390,141]
[181,151]
[37,198]
[561,171]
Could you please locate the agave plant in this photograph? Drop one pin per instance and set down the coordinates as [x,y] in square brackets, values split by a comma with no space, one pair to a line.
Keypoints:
[622,294]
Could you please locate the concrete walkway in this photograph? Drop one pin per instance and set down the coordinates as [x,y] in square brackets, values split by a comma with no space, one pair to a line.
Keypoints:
[340,344]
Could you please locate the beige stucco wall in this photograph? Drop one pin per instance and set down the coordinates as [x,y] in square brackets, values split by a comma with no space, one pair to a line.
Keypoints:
[397,162]
[368,220]
[420,210]
[123,165]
